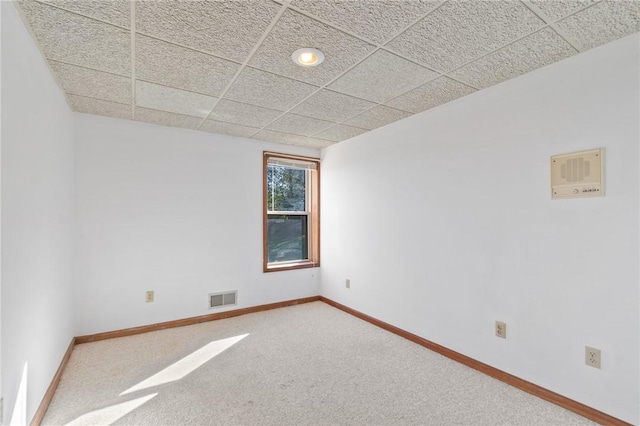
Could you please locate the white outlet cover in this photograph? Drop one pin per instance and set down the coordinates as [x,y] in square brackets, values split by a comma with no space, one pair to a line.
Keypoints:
[592,357]
[501,329]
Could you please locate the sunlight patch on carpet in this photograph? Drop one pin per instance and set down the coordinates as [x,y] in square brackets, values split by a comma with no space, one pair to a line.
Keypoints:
[186,365]
[109,415]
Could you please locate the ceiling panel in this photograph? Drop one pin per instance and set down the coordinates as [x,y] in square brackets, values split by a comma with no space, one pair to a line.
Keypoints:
[245,114]
[279,137]
[93,84]
[268,90]
[294,31]
[332,106]
[535,51]
[154,96]
[382,76]
[116,12]
[377,117]
[460,31]
[557,9]
[71,38]
[175,66]
[376,21]
[432,94]
[315,143]
[99,107]
[339,133]
[299,125]
[385,59]
[603,22]
[228,29]
[166,118]
[213,126]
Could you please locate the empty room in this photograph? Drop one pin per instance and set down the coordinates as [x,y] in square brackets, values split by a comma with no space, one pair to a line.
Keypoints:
[320,212]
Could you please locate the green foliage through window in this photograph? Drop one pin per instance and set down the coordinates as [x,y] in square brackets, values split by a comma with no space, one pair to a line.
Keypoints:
[286,189]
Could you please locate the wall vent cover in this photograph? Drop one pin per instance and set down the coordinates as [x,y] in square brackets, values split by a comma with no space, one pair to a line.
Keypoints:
[577,175]
[217,300]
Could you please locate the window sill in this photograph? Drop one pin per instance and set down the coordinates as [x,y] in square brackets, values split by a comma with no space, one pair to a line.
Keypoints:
[288,266]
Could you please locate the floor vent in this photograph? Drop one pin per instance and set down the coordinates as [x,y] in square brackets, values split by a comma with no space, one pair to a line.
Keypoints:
[217,300]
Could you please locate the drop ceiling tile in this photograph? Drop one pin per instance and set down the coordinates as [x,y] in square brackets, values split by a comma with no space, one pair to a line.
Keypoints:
[460,31]
[339,133]
[117,12]
[316,143]
[99,107]
[382,76]
[332,106]
[377,117]
[71,38]
[166,118]
[279,137]
[213,126]
[268,90]
[175,66]
[163,98]
[539,49]
[375,20]
[229,29]
[244,114]
[299,125]
[603,22]
[93,84]
[556,9]
[294,31]
[431,94]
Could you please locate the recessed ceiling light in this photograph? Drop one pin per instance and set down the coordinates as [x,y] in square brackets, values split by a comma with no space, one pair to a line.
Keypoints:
[307,57]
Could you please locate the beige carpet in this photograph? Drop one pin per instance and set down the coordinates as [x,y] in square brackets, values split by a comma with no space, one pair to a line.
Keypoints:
[303,365]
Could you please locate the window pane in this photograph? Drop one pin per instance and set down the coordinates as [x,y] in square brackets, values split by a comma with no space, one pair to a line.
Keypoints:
[291,212]
[286,188]
[287,238]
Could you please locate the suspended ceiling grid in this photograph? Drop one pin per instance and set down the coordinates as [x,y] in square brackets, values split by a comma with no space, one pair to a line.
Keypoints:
[225,66]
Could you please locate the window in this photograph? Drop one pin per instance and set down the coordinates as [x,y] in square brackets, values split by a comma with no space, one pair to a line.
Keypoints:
[291,212]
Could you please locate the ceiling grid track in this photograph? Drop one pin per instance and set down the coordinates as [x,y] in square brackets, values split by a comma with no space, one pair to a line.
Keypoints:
[447,74]
[175,43]
[93,18]
[273,23]
[325,86]
[550,22]
[388,60]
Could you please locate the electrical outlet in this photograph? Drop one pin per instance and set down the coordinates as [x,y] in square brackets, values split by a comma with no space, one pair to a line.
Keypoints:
[592,356]
[347,283]
[501,329]
[149,297]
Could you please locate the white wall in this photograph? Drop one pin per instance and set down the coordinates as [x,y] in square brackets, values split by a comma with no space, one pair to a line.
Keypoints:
[174,211]
[444,224]
[37,220]
[1,410]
